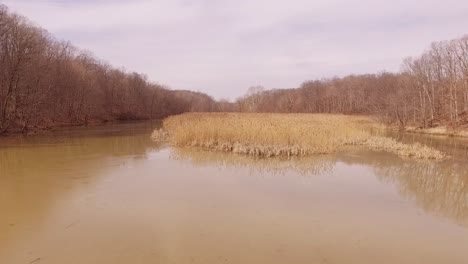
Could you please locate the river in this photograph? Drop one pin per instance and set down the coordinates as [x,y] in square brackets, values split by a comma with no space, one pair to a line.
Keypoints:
[110,195]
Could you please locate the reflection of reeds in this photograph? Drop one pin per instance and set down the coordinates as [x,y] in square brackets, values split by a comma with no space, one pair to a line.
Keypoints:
[312,165]
[268,135]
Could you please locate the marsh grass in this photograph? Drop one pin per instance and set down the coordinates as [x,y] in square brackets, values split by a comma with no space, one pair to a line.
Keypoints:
[160,135]
[415,150]
[268,135]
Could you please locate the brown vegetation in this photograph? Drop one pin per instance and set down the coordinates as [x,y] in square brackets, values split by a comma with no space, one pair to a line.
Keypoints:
[415,150]
[430,91]
[268,135]
[45,82]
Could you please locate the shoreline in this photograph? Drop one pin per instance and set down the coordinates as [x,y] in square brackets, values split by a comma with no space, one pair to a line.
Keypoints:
[441,131]
[62,127]
[437,131]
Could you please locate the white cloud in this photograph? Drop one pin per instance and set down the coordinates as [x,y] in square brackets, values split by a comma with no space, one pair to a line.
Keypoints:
[222,47]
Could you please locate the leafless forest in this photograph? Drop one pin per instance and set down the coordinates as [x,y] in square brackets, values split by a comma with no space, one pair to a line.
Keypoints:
[430,90]
[45,82]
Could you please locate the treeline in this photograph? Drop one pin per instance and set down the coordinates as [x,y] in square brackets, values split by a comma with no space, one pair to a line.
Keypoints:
[45,82]
[431,90]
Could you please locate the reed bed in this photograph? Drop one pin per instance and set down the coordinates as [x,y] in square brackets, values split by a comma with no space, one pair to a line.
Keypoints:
[268,135]
[415,150]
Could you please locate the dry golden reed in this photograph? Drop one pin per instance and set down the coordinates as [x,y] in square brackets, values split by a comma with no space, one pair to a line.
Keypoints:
[415,150]
[268,135]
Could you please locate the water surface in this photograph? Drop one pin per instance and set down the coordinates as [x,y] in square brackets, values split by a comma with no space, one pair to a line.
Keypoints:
[110,195]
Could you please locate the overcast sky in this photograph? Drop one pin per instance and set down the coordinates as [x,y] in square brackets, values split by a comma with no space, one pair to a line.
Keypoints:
[223,47]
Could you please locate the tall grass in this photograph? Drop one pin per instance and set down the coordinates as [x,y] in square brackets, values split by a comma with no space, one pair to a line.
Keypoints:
[270,135]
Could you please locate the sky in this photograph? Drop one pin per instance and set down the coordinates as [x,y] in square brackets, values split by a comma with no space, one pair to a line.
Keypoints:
[223,47]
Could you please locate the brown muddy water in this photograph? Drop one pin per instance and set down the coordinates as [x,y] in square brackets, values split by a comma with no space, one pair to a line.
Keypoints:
[110,195]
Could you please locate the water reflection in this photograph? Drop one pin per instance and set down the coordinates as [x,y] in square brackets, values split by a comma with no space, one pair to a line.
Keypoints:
[313,165]
[440,188]
[38,172]
[70,149]
[113,196]
[455,147]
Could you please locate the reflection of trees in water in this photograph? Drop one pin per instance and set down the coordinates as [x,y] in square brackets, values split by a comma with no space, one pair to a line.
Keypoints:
[73,147]
[455,147]
[436,187]
[313,165]
[48,161]
[37,172]
[73,152]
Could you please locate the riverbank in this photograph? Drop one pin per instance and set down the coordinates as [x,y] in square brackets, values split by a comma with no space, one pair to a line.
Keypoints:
[439,131]
[39,131]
